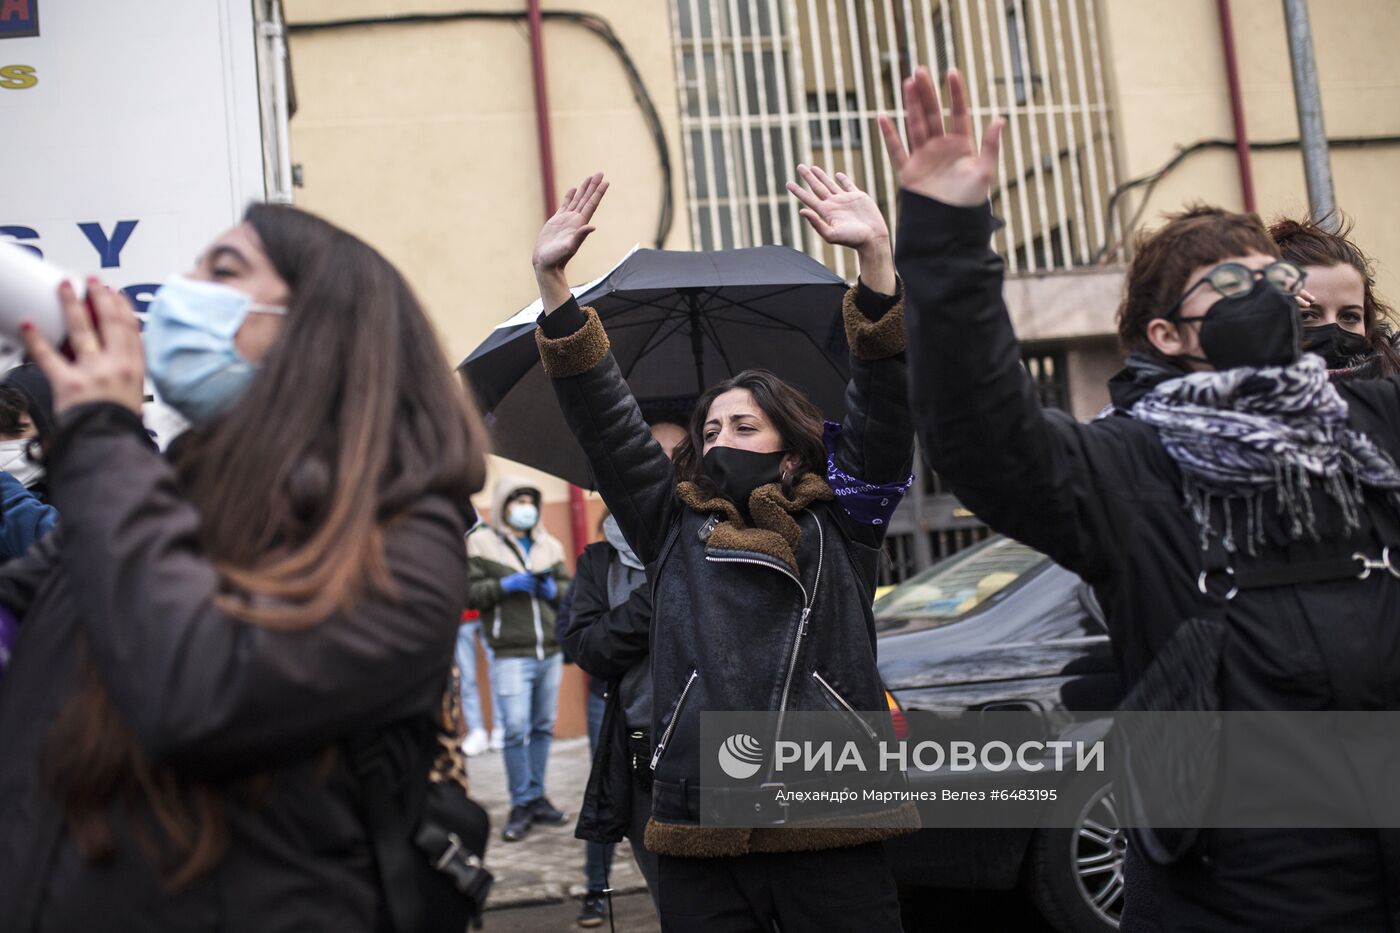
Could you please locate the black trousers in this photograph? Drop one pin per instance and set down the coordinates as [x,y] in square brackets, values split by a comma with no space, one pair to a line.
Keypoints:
[788,892]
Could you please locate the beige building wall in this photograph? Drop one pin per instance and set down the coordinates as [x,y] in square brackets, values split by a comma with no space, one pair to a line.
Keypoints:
[1170,90]
[421,138]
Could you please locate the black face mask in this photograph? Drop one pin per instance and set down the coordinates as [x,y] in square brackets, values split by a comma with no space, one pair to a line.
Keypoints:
[1259,328]
[1334,344]
[737,473]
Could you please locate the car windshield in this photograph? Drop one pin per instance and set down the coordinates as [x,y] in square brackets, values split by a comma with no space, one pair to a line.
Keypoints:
[960,585]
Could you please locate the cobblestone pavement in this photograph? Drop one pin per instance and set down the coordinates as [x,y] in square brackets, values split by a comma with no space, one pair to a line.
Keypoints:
[546,867]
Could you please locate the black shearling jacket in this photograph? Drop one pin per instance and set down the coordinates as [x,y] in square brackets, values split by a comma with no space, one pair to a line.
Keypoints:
[773,617]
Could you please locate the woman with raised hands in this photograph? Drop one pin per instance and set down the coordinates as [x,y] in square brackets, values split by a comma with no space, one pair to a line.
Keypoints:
[1231,515]
[762,580]
[203,636]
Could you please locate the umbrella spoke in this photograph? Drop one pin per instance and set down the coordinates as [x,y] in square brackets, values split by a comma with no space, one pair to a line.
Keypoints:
[709,327]
[653,341]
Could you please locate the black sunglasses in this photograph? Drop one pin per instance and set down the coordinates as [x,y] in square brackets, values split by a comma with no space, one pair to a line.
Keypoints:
[1231,279]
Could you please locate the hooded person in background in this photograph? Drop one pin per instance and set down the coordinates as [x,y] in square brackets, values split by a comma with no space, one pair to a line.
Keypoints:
[604,626]
[1345,322]
[517,576]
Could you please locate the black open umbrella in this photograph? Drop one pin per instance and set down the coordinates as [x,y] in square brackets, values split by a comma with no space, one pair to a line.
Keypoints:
[678,322]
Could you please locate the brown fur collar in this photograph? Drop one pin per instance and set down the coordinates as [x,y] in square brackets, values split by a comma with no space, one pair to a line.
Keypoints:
[775,532]
[874,340]
[577,353]
[689,840]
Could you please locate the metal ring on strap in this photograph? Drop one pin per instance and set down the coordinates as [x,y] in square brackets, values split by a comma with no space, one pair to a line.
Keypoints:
[1234,590]
[1367,564]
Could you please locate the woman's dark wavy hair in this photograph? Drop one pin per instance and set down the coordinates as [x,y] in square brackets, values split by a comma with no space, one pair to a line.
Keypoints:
[354,416]
[796,419]
[1305,243]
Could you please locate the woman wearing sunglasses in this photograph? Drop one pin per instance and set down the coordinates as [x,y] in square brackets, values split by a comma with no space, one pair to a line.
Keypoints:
[1236,517]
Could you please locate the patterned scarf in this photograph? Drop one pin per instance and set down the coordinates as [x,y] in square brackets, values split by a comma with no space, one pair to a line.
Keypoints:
[1243,432]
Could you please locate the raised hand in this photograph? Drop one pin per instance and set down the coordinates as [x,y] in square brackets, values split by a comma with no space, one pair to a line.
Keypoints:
[838,211]
[560,238]
[562,235]
[843,215]
[944,164]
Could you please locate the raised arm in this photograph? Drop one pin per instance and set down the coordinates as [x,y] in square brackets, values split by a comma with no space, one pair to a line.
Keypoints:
[632,472]
[873,453]
[1024,471]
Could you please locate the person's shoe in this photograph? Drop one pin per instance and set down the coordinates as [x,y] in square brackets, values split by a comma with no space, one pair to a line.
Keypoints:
[476,742]
[545,812]
[594,910]
[498,739]
[518,824]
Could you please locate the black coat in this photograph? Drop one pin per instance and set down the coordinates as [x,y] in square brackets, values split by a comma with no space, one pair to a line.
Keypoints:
[251,711]
[606,642]
[715,581]
[1105,500]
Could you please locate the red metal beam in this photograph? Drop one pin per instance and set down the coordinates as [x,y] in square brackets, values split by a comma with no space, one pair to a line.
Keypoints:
[578,508]
[1232,75]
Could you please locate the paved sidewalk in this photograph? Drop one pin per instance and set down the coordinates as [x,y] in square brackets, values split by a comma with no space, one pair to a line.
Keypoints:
[546,867]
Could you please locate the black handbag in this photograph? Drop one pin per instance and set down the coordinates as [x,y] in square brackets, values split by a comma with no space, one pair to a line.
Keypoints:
[429,837]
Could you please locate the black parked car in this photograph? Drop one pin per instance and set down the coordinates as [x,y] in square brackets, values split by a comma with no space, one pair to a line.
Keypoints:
[1001,627]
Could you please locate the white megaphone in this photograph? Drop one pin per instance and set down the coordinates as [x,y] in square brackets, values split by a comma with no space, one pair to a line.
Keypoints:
[29,292]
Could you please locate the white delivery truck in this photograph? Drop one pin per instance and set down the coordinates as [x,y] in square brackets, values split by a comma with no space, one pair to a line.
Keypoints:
[136,131]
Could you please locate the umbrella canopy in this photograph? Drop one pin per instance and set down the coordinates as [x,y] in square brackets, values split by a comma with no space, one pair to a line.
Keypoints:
[678,322]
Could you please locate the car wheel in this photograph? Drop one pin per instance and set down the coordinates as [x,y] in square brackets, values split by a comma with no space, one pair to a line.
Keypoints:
[1075,875]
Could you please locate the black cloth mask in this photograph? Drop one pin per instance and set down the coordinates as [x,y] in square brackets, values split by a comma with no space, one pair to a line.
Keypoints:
[737,473]
[1259,328]
[1334,344]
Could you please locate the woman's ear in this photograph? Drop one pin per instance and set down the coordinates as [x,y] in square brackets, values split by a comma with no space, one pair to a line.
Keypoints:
[790,463]
[1166,337]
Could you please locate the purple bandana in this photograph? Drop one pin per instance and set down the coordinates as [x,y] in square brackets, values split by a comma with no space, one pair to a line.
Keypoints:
[867,503]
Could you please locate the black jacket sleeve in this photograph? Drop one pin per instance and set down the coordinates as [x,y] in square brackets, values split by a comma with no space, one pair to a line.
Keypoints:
[603,641]
[1026,472]
[202,689]
[877,434]
[566,608]
[634,477]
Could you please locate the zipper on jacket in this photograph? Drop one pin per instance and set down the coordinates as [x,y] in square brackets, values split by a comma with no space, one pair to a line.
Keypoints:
[808,601]
[831,692]
[801,630]
[675,718]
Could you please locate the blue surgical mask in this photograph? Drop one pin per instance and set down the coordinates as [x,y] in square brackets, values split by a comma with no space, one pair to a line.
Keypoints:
[522,517]
[190,355]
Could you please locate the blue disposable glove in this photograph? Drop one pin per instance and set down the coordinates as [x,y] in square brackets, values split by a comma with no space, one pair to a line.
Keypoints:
[546,587]
[518,583]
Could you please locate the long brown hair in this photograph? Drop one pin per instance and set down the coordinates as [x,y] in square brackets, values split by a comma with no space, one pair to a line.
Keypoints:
[796,419]
[353,417]
[1305,243]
